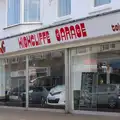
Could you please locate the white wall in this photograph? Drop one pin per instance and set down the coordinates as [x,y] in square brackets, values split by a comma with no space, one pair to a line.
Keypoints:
[13,30]
[80,9]
[2,17]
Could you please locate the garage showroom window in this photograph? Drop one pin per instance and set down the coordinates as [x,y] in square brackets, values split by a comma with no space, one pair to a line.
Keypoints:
[101,2]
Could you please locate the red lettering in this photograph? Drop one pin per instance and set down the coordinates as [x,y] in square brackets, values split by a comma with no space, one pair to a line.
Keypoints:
[44,37]
[29,40]
[73,34]
[36,39]
[25,41]
[48,37]
[67,31]
[32,39]
[2,47]
[40,38]
[63,35]
[116,27]
[57,33]
[113,27]
[83,30]
[20,41]
[78,31]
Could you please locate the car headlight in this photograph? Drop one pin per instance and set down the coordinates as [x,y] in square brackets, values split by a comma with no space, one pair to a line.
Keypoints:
[118,97]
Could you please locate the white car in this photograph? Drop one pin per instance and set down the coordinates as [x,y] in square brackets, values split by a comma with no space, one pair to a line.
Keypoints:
[56,96]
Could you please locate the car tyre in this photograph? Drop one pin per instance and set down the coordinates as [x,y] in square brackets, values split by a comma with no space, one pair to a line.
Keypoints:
[112,103]
[43,101]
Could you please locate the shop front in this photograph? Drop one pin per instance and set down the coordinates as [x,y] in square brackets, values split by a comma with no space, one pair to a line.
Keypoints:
[95,77]
[74,66]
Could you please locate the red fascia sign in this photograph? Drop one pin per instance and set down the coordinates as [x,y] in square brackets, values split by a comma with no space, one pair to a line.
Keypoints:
[2,47]
[53,35]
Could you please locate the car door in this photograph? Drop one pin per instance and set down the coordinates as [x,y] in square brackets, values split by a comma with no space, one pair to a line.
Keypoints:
[102,94]
[39,92]
[112,91]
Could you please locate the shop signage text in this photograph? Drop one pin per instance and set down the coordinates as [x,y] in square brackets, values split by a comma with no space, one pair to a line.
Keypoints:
[60,34]
[88,28]
[32,40]
[2,47]
[71,32]
[116,27]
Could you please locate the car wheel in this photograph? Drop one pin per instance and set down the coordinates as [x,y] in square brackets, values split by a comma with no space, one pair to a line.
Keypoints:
[112,102]
[43,101]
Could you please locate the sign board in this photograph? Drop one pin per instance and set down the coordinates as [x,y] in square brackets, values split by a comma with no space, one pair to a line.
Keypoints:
[74,31]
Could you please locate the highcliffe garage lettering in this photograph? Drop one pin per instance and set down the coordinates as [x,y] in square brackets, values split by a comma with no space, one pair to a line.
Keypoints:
[32,40]
[59,34]
[71,32]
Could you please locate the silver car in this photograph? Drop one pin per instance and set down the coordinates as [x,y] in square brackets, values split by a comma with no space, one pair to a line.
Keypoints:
[105,94]
[108,94]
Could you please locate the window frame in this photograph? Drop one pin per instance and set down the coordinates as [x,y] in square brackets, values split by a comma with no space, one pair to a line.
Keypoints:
[65,16]
[23,13]
[99,9]
[101,4]
[6,21]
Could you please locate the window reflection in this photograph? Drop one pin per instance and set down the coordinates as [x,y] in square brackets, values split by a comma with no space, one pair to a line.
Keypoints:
[46,80]
[96,81]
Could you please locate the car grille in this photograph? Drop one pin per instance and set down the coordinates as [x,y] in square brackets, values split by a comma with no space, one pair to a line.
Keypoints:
[54,101]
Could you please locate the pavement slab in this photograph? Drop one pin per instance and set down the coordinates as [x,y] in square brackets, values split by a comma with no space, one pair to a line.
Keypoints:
[9,114]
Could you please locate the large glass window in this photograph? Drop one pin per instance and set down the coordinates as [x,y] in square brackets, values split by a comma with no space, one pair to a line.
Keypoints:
[13,12]
[101,2]
[64,7]
[95,72]
[13,76]
[46,75]
[32,10]
[46,80]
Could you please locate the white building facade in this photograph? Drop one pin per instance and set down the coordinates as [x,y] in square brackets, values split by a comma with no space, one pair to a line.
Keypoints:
[61,54]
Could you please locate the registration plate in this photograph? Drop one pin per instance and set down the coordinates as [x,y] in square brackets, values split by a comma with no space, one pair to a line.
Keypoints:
[51,98]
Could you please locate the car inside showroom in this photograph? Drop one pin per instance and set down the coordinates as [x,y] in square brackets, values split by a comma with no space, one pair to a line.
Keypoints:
[46,86]
[95,77]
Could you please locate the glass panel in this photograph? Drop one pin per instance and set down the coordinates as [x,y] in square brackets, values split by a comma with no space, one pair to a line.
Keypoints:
[84,81]
[101,2]
[32,11]
[96,78]
[13,78]
[46,80]
[13,13]
[64,7]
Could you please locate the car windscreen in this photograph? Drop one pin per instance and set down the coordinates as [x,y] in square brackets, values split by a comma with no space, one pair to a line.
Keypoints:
[48,88]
